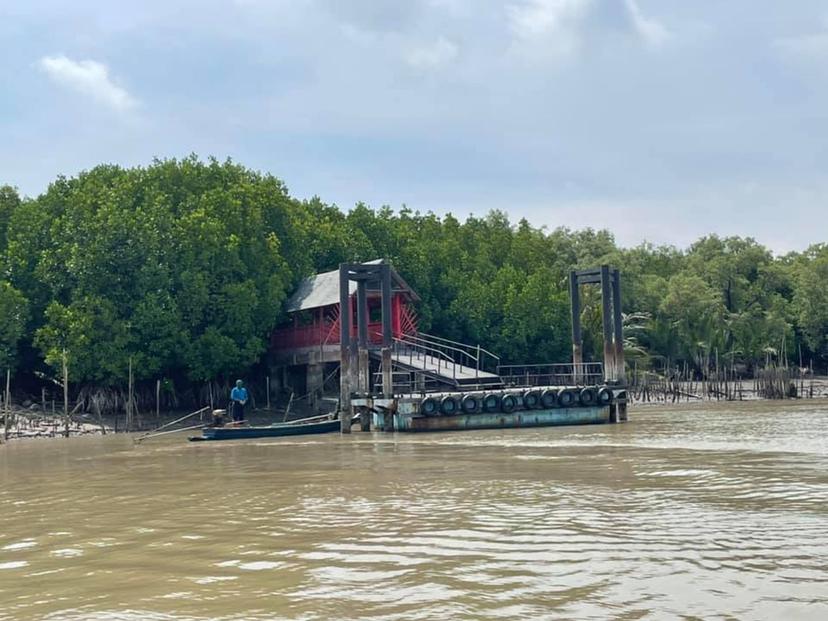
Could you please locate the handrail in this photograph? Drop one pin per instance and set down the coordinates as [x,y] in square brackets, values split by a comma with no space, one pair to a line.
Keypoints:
[406,339]
[444,350]
[471,353]
[435,353]
[474,347]
[439,353]
[553,373]
[418,338]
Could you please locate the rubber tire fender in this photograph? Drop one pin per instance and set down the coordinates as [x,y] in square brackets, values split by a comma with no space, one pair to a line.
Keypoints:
[449,405]
[588,397]
[470,404]
[430,406]
[605,396]
[549,398]
[532,399]
[491,402]
[566,398]
[508,403]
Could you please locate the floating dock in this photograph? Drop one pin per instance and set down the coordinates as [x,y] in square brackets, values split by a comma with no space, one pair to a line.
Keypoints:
[393,377]
[540,406]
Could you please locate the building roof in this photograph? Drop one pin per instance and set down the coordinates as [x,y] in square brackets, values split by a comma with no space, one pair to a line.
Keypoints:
[323,289]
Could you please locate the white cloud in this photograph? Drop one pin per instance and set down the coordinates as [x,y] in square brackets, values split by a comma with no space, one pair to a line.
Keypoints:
[563,26]
[431,56]
[89,78]
[813,45]
[652,31]
[542,17]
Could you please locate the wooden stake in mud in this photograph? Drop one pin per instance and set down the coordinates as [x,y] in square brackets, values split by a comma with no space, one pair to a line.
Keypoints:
[157,400]
[7,405]
[65,394]
[128,409]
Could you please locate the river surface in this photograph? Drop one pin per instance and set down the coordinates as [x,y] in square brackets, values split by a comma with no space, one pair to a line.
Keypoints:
[700,512]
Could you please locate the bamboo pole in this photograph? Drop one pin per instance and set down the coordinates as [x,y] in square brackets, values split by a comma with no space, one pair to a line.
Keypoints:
[163,433]
[157,400]
[173,422]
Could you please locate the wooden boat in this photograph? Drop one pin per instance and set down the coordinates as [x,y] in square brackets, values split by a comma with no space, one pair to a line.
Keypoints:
[269,431]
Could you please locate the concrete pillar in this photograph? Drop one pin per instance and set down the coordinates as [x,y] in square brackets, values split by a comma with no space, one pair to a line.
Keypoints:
[618,336]
[396,315]
[344,349]
[575,306]
[606,316]
[364,375]
[387,335]
[363,369]
[315,374]
[365,420]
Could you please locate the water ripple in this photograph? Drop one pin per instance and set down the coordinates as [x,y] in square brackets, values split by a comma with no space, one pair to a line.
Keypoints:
[696,514]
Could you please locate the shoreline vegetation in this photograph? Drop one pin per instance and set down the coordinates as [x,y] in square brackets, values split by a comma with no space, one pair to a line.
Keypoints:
[149,289]
[644,391]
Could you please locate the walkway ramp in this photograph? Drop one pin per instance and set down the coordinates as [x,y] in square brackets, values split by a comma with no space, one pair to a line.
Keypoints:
[428,359]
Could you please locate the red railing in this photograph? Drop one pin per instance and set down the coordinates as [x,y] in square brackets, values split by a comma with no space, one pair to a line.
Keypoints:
[327,332]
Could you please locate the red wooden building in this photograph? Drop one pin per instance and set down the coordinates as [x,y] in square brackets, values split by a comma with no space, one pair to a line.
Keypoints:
[314,315]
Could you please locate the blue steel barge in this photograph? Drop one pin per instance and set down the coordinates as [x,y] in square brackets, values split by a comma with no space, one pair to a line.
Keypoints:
[456,411]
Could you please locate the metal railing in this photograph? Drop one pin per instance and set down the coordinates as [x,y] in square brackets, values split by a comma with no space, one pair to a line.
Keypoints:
[475,356]
[563,374]
[414,347]
[406,382]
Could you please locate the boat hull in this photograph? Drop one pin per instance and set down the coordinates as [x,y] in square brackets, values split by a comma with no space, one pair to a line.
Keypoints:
[272,431]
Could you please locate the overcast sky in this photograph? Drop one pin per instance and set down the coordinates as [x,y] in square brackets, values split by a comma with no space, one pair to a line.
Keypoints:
[660,120]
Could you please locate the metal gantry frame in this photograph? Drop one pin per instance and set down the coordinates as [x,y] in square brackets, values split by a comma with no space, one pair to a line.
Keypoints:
[613,325]
[356,350]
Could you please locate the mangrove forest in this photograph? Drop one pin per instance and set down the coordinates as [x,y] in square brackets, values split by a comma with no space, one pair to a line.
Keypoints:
[179,271]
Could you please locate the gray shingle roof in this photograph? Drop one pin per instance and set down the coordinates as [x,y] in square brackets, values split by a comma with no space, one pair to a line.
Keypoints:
[323,289]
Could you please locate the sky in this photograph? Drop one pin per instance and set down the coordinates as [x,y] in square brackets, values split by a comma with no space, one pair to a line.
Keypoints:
[661,120]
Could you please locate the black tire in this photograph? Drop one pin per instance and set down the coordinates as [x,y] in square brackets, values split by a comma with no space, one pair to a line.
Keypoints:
[531,399]
[491,402]
[508,403]
[588,397]
[549,398]
[604,396]
[470,404]
[566,399]
[449,405]
[430,407]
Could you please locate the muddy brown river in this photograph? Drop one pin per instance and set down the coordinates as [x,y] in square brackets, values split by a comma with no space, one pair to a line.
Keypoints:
[700,512]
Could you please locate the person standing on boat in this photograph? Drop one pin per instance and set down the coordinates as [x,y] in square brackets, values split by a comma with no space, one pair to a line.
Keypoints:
[238,397]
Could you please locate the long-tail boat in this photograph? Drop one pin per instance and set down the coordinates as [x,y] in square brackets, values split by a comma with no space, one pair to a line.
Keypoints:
[295,428]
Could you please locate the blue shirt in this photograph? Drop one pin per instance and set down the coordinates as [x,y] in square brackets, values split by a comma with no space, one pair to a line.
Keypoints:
[238,394]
